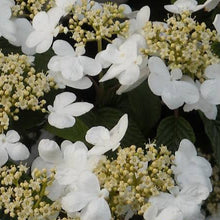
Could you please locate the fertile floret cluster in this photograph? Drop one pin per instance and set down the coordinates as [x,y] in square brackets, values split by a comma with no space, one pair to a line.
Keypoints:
[29,8]
[90,22]
[183,43]
[21,87]
[134,177]
[26,199]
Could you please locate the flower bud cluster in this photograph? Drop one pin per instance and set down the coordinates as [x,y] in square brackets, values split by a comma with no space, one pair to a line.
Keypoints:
[88,23]
[21,87]
[29,8]
[183,43]
[22,199]
[134,176]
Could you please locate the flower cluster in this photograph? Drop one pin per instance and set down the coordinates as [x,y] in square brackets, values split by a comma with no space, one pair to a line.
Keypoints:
[134,177]
[21,87]
[183,43]
[29,8]
[26,199]
[90,22]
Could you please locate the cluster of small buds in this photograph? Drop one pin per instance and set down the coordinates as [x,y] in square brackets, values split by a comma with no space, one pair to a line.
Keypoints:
[183,43]
[29,8]
[88,23]
[134,176]
[23,199]
[21,87]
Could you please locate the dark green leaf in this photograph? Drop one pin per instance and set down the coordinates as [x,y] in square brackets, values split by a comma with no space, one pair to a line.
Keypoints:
[216,48]
[8,48]
[172,130]
[212,129]
[75,133]
[145,107]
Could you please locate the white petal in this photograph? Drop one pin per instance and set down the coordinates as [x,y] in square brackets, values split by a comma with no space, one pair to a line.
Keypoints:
[17,151]
[130,75]
[172,9]
[50,151]
[74,201]
[195,193]
[64,99]
[45,44]
[34,38]
[209,89]
[41,21]
[61,121]
[55,191]
[97,135]
[54,15]
[213,71]
[143,16]
[90,66]
[54,63]
[216,23]
[211,4]
[113,71]
[63,48]
[95,210]
[3,156]
[171,213]
[118,132]
[12,136]
[151,213]
[78,108]
[187,148]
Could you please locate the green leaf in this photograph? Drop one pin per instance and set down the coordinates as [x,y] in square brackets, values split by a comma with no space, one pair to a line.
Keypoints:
[75,133]
[145,107]
[212,129]
[172,130]
[216,48]
[8,48]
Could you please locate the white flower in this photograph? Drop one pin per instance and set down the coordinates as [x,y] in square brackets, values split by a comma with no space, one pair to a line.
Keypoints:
[208,109]
[125,60]
[63,111]
[23,29]
[61,82]
[140,21]
[10,146]
[211,86]
[188,165]
[105,140]
[89,198]
[45,28]
[71,64]
[180,204]
[174,91]
[180,6]
[7,27]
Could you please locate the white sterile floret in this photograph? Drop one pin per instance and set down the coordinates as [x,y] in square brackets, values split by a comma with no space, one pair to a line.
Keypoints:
[23,29]
[45,28]
[169,85]
[180,6]
[179,204]
[203,105]
[65,5]
[140,21]
[71,64]
[210,88]
[87,198]
[10,146]
[188,164]
[105,140]
[7,27]
[63,112]
[125,60]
